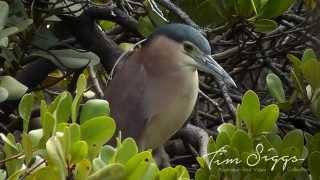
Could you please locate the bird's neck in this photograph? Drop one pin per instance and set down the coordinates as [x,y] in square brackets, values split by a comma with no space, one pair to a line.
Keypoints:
[165,60]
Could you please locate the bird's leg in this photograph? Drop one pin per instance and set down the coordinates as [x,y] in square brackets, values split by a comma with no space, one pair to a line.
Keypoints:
[161,157]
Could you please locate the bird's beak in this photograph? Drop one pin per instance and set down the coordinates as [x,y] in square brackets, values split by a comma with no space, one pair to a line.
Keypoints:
[208,64]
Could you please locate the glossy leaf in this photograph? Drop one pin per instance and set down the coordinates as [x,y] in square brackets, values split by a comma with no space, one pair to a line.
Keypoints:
[315,105]
[176,173]
[8,141]
[4,33]
[79,151]
[82,170]
[27,147]
[223,139]
[314,164]
[228,128]
[267,118]
[75,132]
[294,139]
[249,108]
[107,154]
[48,124]
[81,87]
[69,58]
[14,87]
[274,8]
[275,87]
[127,149]
[94,108]
[3,174]
[25,108]
[264,25]
[63,109]
[309,55]
[56,155]
[311,72]
[11,148]
[145,26]
[47,173]
[3,94]
[245,8]
[4,10]
[98,130]
[241,141]
[114,171]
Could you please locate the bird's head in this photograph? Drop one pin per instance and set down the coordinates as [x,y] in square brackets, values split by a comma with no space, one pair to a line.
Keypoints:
[196,46]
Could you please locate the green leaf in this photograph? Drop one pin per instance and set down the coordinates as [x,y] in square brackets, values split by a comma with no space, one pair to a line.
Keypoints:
[315,105]
[82,170]
[241,141]
[144,171]
[275,87]
[110,172]
[249,108]
[10,149]
[3,174]
[3,94]
[177,173]
[155,14]
[94,108]
[314,144]
[4,33]
[69,58]
[75,107]
[245,8]
[56,155]
[294,139]
[208,15]
[223,139]
[8,141]
[4,10]
[96,132]
[27,147]
[107,154]
[127,149]
[81,84]
[228,128]
[274,8]
[48,124]
[25,108]
[311,72]
[145,26]
[134,162]
[97,164]
[16,175]
[14,87]
[79,151]
[47,173]
[264,25]
[36,136]
[309,55]
[63,109]
[267,118]
[202,174]
[81,87]
[314,164]
[75,132]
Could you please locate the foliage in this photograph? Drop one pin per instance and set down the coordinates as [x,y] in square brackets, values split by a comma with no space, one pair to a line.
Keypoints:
[258,13]
[305,74]
[259,151]
[64,148]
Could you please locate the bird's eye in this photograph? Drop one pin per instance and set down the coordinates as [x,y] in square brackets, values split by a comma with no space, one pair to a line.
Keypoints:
[187,47]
